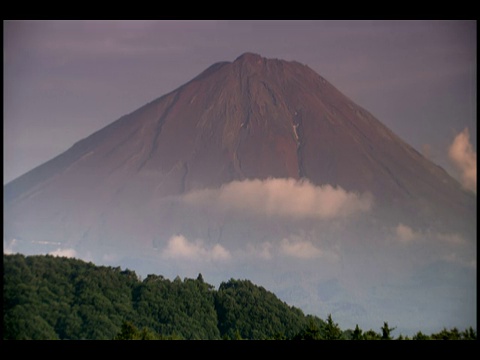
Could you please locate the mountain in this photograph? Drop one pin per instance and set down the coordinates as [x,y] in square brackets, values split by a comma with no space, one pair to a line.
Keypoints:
[252,162]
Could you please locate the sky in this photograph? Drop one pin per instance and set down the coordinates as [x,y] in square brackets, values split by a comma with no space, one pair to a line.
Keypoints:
[64,80]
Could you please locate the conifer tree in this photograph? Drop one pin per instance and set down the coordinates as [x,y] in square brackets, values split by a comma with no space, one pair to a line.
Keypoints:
[386,331]
[357,333]
[332,331]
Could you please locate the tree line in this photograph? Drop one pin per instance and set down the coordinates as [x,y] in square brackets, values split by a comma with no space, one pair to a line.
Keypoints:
[48,297]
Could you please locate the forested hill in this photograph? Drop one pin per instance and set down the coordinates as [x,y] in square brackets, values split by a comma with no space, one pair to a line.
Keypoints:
[46,297]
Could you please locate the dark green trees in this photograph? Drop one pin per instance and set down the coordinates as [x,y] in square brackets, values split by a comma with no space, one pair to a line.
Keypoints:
[386,331]
[310,332]
[48,297]
[317,329]
[185,308]
[357,333]
[254,312]
[129,331]
[331,331]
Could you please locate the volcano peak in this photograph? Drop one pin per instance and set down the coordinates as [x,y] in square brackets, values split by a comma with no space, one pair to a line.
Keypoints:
[250,58]
[251,61]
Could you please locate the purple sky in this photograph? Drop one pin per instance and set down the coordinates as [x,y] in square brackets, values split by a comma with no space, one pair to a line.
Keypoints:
[63,80]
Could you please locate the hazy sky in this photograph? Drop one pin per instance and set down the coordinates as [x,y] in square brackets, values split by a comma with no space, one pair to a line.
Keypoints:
[63,80]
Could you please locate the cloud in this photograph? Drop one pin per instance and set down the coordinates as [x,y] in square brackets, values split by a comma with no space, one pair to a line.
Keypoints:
[283,197]
[300,249]
[68,253]
[294,246]
[264,250]
[463,156]
[405,233]
[179,247]
[451,238]
[9,248]
[218,252]
[110,258]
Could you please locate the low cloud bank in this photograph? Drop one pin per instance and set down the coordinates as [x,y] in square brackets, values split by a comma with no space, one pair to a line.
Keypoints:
[68,253]
[291,247]
[406,234]
[300,249]
[283,197]
[179,247]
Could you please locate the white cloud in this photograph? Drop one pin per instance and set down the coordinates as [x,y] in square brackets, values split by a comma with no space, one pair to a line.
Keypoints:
[218,252]
[465,159]
[293,246]
[110,258]
[263,250]
[283,197]
[405,233]
[69,253]
[300,249]
[451,238]
[179,247]
[9,248]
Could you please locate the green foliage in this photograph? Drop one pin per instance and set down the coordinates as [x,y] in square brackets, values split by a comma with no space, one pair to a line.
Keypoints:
[371,335]
[310,332]
[185,308]
[386,331]
[254,312]
[47,297]
[331,330]
[357,334]
[469,334]
[455,334]
[129,331]
[452,334]
[420,336]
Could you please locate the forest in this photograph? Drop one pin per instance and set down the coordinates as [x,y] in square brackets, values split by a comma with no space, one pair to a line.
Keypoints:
[56,298]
